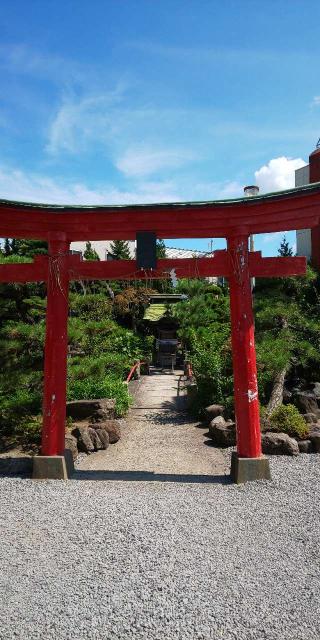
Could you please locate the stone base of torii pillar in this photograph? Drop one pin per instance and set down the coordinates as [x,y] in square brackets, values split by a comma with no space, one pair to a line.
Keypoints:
[53,467]
[245,469]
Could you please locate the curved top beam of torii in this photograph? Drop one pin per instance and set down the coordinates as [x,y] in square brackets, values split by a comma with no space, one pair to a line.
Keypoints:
[281,211]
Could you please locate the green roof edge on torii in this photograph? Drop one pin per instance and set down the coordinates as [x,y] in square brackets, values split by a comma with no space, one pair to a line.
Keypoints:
[291,209]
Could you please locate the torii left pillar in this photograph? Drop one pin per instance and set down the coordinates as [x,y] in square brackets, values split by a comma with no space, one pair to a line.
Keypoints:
[52,462]
[247,463]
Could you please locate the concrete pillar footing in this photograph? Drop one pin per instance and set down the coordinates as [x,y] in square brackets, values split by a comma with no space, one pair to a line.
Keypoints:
[50,468]
[247,469]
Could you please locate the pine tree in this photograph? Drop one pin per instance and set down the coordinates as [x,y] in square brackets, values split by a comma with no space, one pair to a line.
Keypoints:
[7,247]
[90,253]
[25,248]
[285,250]
[119,250]
[161,249]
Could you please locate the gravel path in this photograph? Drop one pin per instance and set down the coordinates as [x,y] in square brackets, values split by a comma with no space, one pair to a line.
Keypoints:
[160,440]
[162,561]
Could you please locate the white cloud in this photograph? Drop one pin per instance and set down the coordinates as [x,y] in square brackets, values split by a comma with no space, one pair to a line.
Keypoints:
[278,174]
[232,189]
[78,121]
[214,190]
[316,101]
[272,237]
[32,187]
[227,55]
[27,187]
[109,119]
[143,161]
[26,61]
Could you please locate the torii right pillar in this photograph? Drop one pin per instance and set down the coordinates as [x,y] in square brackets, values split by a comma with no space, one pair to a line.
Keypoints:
[314,176]
[248,463]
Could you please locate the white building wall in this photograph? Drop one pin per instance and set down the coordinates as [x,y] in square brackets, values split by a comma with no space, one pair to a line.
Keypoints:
[304,243]
[302,177]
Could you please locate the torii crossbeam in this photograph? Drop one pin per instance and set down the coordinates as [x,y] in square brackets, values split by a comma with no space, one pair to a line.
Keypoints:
[236,220]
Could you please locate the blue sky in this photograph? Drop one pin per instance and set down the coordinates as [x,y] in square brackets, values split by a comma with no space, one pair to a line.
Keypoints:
[143,101]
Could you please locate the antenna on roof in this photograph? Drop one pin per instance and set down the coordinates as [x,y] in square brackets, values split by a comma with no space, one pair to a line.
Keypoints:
[318,144]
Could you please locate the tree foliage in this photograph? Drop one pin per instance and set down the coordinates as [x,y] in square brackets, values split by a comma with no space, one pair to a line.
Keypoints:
[90,253]
[161,249]
[120,250]
[131,302]
[285,250]
[287,332]
[26,248]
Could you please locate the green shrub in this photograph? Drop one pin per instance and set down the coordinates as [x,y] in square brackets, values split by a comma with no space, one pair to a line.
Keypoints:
[91,306]
[28,432]
[98,367]
[107,387]
[287,419]
[20,402]
[210,363]
[94,337]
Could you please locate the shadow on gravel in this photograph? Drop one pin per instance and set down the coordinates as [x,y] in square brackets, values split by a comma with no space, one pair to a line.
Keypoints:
[171,418]
[177,405]
[149,476]
[19,467]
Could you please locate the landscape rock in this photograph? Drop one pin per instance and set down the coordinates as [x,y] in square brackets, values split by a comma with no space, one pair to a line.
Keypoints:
[287,396]
[101,415]
[305,446]
[306,402]
[310,418]
[71,443]
[314,427]
[212,411]
[279,444]
[218,420]
[104,437]
[112,427]
[314,436]
[82,435]
[223,434]
[94,436]
[316,390]
[100,409]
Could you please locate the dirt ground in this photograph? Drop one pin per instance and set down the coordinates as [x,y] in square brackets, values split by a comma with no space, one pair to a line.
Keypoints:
[158,436]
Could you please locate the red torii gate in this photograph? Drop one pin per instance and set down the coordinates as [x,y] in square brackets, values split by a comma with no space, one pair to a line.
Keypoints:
[234,219]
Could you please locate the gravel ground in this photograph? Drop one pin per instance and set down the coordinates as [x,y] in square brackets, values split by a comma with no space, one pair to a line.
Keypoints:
[162,561]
